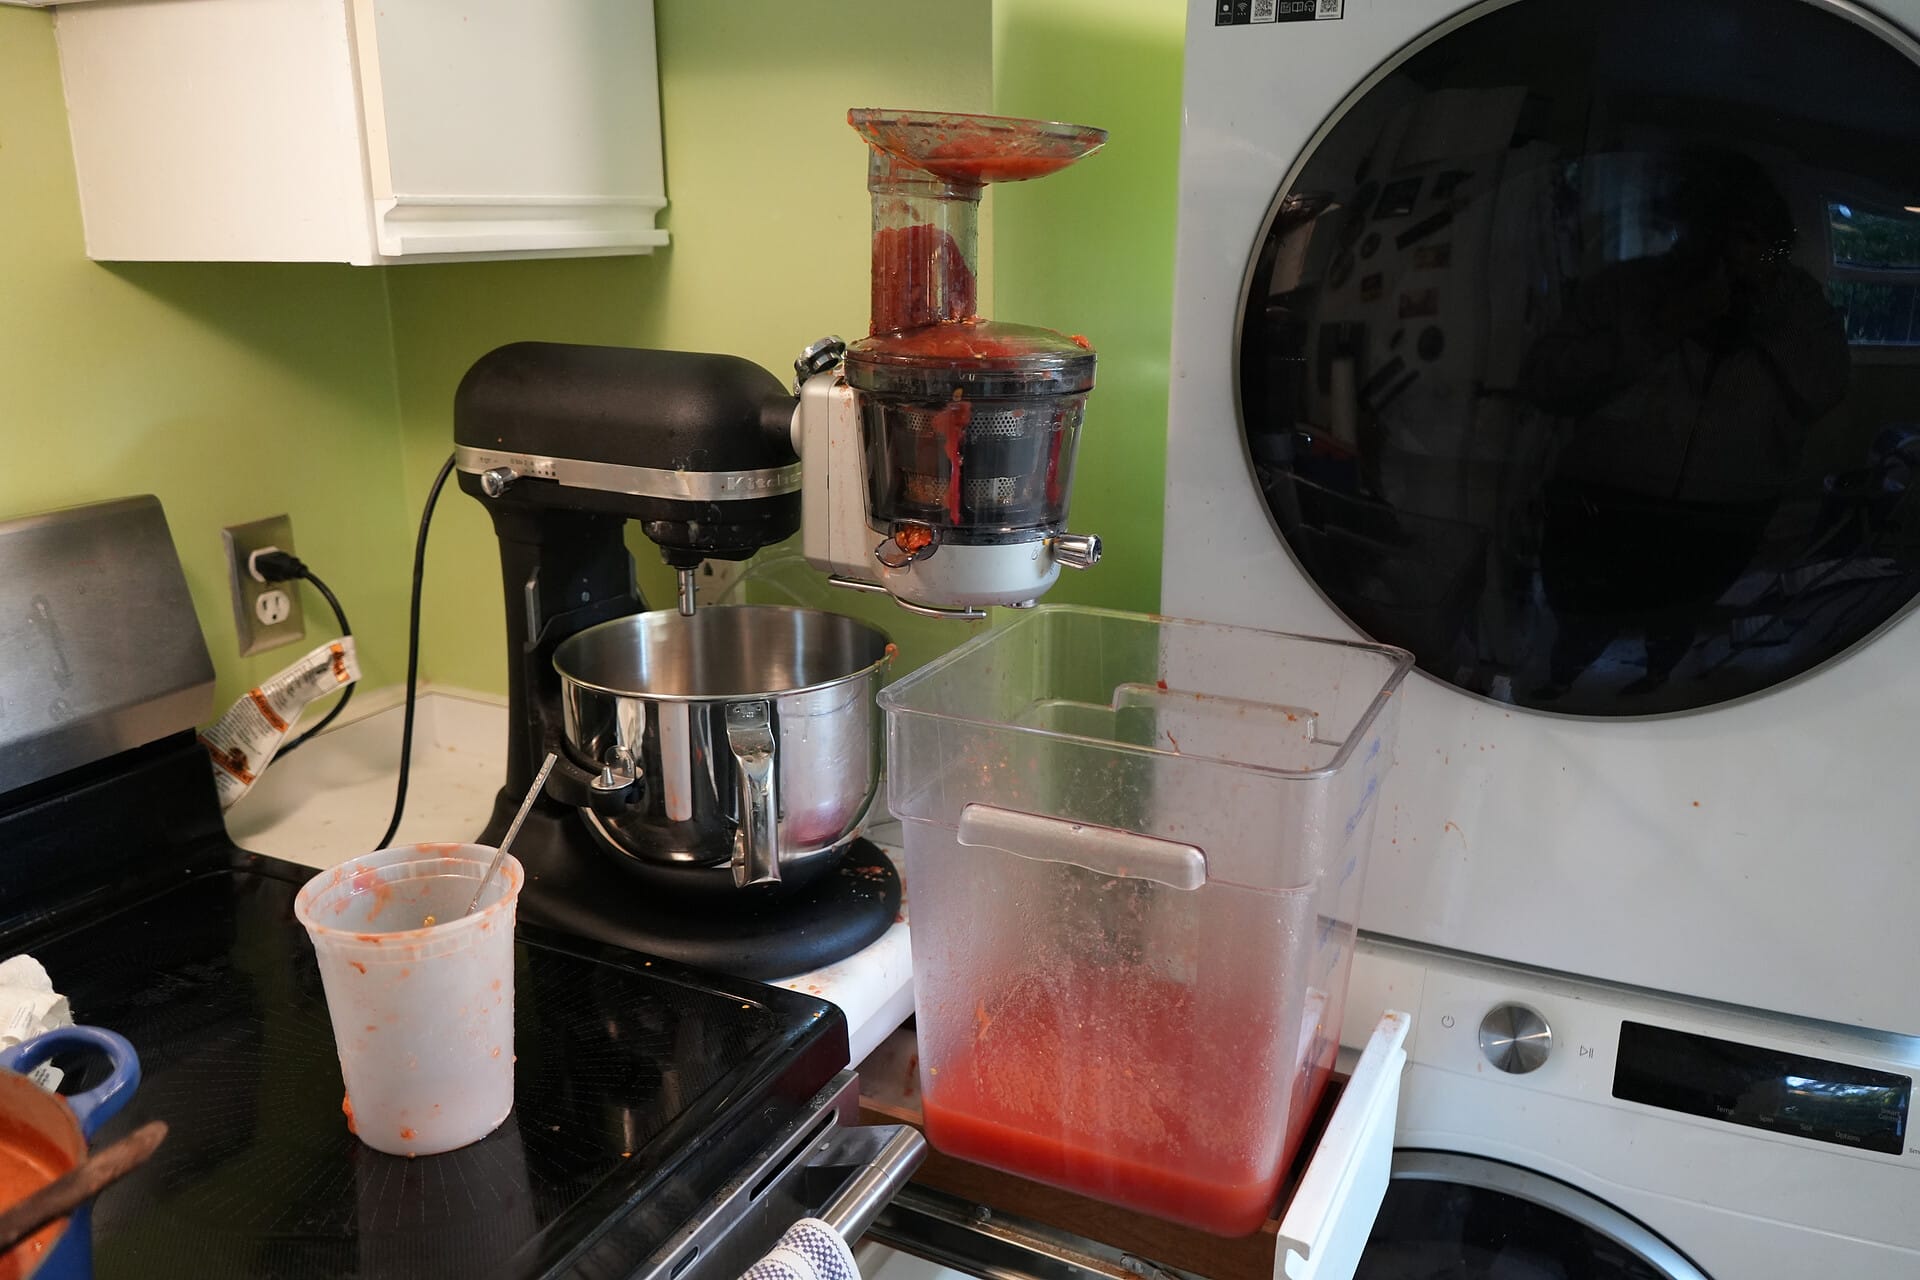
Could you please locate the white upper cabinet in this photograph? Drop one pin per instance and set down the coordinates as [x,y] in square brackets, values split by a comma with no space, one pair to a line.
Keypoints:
[363,131]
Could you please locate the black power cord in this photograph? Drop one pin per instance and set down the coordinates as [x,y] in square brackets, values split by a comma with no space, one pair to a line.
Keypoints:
[275,565]
[413,652]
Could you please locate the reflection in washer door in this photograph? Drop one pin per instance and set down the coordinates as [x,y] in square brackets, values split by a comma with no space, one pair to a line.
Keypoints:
[1623,416]
[1456,1217]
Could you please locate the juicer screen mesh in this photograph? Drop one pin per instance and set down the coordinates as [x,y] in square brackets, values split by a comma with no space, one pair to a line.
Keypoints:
[957,464]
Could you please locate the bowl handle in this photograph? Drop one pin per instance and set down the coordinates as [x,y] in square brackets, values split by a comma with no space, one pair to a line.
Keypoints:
[99,1104]
[756,848]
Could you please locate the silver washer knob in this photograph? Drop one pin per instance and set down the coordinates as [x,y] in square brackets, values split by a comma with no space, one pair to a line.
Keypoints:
[497,480]
[1515,1039]
[821,355]
[1076,550]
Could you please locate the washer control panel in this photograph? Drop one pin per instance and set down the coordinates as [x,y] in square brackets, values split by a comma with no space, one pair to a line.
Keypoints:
[1625,1050]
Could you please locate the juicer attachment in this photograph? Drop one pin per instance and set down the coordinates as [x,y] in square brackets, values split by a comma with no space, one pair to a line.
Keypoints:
[940,447]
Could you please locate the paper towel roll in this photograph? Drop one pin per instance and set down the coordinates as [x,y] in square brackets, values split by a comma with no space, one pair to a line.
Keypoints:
[810,1250]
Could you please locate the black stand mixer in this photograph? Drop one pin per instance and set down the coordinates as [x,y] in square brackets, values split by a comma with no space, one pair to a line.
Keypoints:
[564,445]
[944,451]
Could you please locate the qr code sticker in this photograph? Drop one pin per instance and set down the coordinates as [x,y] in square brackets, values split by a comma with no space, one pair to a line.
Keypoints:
[1263,10]
[1329,9]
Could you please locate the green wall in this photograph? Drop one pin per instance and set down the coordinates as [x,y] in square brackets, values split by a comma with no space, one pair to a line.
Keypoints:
[1091,251]
[231,392]
[236,391]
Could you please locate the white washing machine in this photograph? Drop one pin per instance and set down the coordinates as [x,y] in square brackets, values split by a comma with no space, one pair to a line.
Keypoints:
[1574,345]
[1556,1129]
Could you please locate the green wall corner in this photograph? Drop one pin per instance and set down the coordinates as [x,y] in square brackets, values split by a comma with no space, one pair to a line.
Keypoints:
[1090,251]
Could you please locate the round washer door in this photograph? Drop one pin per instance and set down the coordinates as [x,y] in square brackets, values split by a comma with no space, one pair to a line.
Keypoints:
[1458,1217]
[1581,351]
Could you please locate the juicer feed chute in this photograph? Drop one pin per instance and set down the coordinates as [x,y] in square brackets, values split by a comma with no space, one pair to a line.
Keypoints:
[945,440]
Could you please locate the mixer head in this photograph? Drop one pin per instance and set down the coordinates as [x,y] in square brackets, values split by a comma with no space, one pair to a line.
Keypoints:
[696,447]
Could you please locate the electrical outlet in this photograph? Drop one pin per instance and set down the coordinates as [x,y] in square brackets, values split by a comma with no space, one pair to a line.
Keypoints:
[266,615]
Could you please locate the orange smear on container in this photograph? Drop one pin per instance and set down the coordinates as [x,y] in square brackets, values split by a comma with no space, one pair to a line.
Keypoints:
[346,1109]
[964,338]
[952,422]
[959,166]
[369,881]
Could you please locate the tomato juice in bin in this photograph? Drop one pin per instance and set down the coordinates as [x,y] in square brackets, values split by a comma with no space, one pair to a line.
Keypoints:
[1136,847]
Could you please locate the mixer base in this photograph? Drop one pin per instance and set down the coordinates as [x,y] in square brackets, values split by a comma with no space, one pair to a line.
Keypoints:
[572,885]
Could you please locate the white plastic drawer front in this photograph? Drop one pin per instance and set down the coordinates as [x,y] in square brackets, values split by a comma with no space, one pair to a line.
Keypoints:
[1332,1211]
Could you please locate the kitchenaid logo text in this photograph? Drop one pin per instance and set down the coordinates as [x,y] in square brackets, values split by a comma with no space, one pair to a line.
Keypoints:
[753,480]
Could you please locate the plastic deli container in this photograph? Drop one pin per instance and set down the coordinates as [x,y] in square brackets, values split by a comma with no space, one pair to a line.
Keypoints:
[1135,847]
[419,994]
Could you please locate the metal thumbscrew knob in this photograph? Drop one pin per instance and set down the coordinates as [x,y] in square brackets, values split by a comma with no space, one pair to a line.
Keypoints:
[1076,550]
[1515,1039]
[497,480]
[821,355]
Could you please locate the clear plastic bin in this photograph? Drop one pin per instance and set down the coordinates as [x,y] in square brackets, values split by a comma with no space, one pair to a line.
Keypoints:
[1135,848]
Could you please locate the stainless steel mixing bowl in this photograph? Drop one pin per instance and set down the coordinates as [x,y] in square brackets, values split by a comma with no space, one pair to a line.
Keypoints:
[754,728]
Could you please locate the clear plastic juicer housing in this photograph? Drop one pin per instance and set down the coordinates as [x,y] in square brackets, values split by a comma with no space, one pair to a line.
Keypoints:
[969,424]
[1136,847]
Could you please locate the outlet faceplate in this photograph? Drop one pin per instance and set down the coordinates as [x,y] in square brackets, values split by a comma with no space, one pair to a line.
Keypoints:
[265,615]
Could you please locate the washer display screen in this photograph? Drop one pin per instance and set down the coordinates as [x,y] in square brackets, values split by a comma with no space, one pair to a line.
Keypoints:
[1581,354]
[1762,1088]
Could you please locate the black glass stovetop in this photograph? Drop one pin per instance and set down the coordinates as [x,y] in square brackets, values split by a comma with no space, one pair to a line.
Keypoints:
[641,1087]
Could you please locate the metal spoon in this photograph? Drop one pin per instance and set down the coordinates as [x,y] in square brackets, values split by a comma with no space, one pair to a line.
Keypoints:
[500,854]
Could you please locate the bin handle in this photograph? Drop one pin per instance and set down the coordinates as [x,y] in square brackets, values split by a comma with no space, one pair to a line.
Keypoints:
[1109,851]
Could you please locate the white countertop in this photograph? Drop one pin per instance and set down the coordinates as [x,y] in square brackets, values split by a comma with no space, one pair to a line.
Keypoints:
[332,798]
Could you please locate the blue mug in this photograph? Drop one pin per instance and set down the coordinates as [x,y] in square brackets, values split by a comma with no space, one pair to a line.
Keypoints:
[67,1125]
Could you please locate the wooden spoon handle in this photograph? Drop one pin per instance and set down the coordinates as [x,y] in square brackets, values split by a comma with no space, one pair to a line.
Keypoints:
[79,1184]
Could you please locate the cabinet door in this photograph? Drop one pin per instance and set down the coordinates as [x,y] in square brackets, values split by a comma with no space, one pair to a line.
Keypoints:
[214,130]
[497,126]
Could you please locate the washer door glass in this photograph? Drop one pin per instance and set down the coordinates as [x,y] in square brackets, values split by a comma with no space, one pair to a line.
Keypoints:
[1453,1217]
[1581,353]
